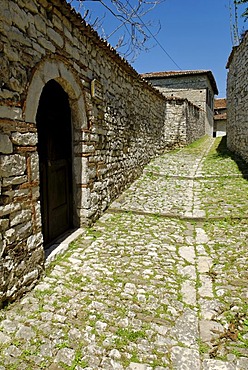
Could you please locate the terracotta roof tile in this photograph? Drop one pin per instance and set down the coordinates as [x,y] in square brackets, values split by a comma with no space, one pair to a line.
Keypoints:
[219,103]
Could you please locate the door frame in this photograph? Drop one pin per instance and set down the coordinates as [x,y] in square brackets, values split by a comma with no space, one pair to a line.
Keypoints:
[48,68]
[55,161]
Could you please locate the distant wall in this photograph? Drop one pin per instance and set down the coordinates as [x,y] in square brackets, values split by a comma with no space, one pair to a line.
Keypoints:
[219,127]
[195,88]
[237,100]
[118,122]
[184,122]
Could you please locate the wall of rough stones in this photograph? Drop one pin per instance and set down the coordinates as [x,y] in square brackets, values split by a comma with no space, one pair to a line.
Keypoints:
[185,122]
[237,100]
[116,128]
[193,87]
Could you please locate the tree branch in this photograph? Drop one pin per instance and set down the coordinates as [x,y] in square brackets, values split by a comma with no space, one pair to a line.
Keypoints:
[130,35]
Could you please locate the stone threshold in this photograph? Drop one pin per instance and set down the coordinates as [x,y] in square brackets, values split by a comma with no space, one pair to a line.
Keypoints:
[61,244]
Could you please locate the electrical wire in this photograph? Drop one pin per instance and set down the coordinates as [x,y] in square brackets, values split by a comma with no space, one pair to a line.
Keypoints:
[154,37]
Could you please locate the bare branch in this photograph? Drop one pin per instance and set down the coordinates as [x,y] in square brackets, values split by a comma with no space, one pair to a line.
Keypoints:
[130,34]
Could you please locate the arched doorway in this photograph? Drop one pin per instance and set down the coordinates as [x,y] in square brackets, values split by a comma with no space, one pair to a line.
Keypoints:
[55,161]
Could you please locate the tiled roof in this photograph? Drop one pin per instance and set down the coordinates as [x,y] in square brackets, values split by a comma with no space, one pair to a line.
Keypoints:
[170,73]
[155,75]
[219,103]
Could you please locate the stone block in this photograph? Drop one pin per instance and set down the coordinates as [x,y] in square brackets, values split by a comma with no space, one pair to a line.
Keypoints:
[32,32]
[68,76]
[17,84]
[2,247]
[22,231]
[5,14]
[38,49]
[6,146]
[35,192]
[8,94]
[10,236]
[8,208]
[55,37]
[79,117]
[57,21]
[34,166]
[30,277]
[37,214]
[84,148]
[86,213]
[40,24]
[84,198]
[75,53]
[11,53]
[15,180]
[25,139]
[4,224]
[11,195]
[20,217]
[137,366]
[46,44]
[31,6]
[50,70]
[12,165]
[20,17]
[81,170]
[34,241]
[33,99]
[10,112]
[16,36]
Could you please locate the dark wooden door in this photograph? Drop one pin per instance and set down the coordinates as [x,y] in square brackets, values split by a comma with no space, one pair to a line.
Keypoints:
[55,156]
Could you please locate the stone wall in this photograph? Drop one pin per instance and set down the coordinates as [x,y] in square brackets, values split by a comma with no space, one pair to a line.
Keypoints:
[196,87]
[191,87]
[184,122]
[219,127]
[118,124]
[237,100]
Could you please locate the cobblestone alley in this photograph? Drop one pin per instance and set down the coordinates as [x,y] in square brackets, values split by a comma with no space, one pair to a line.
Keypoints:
[159,282]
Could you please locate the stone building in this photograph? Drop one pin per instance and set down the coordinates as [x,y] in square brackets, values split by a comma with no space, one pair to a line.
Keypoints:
[199,87]
[237,99]
[219,117]
[77,126]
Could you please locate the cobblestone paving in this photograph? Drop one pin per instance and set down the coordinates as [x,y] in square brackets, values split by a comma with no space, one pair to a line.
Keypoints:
[159,282]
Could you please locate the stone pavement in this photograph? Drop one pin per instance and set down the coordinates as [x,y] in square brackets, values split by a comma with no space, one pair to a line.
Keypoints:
[159,282]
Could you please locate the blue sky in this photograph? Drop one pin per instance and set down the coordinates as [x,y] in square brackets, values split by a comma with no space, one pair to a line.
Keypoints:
[195,33]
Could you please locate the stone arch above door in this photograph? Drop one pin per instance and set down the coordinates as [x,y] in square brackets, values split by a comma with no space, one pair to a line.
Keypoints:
[59,71]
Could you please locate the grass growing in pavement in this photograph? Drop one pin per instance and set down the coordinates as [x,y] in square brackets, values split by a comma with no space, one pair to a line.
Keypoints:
[220,160]
[228,248]
[197,144]
[224,194]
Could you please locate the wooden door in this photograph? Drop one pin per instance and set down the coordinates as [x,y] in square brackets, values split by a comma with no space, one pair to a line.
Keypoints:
[55,156]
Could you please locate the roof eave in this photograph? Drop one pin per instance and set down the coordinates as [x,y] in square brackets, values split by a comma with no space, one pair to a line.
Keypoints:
[209,74]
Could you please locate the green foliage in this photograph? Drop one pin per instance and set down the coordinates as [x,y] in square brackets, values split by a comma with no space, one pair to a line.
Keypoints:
[125,335]
[198,143]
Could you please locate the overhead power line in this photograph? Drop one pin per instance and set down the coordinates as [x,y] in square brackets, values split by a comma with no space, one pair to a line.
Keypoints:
[154,37]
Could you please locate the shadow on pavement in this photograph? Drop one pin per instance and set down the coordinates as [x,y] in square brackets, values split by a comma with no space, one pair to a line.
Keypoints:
[224,152]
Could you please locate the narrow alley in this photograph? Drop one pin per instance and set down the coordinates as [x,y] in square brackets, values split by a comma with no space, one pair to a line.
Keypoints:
[159,282]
